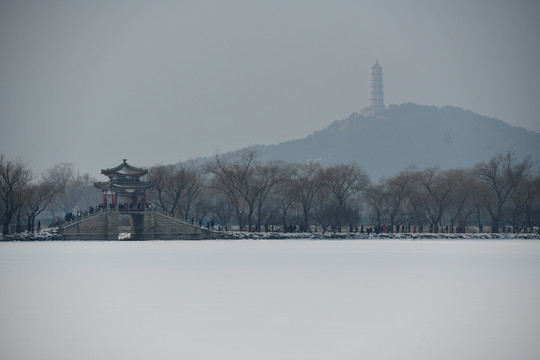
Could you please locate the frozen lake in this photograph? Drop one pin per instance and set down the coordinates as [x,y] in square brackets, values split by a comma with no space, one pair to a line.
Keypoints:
[390,299]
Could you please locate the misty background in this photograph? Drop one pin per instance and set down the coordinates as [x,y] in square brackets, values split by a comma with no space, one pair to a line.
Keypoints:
[165,81]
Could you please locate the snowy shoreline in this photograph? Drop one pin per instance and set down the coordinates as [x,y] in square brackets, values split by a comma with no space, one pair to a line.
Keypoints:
[381,236]
[53,235]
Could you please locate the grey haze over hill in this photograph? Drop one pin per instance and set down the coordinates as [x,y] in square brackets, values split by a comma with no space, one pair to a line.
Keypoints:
[408,135]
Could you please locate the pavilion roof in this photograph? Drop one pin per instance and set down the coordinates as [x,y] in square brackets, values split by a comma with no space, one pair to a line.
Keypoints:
[124,169]
[135,185]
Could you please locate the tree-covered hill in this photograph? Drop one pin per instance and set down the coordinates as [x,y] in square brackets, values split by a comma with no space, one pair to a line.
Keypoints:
[408,135]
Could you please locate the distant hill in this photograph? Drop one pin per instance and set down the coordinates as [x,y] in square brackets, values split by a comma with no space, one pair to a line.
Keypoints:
[406,135]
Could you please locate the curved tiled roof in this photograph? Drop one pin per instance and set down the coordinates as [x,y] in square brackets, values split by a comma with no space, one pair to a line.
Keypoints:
[134,185]
[124,169]
[124,177]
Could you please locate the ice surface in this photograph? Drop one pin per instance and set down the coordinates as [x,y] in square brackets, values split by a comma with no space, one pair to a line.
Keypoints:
[363,299]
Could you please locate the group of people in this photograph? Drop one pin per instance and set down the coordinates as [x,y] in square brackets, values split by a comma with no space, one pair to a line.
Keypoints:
[131,206]
[79,214]
[377,229]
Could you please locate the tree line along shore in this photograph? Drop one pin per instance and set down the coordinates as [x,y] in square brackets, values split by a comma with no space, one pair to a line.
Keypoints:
[238,192]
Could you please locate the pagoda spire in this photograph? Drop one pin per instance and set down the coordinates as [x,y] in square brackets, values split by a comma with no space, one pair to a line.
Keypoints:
[377,93]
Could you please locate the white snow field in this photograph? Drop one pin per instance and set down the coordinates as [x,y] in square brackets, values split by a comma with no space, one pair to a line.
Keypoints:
[293,299]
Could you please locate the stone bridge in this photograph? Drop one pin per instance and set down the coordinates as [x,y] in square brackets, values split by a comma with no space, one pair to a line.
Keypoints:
[144,225]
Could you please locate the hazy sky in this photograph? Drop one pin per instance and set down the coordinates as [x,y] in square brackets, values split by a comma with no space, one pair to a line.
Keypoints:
[92,82]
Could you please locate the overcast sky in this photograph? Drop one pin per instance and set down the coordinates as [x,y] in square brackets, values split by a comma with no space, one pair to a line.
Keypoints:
[92,82]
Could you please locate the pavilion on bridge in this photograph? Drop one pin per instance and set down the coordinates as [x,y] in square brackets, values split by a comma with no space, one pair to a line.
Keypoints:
[124,191]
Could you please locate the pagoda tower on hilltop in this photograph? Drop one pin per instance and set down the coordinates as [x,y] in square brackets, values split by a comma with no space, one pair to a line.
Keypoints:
[377,94]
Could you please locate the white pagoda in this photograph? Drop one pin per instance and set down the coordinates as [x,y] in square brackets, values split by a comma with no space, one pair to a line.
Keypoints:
[377,93]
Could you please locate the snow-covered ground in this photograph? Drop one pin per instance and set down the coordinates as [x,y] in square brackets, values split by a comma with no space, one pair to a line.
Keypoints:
[303,299]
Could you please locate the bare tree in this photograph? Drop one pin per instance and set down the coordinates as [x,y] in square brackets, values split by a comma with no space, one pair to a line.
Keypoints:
[501,175]
[305,183]
[462,201]
[157,176]
[233,178]
[413,209]
[14,178]
[169,183]
[222,210]
[246,183]
[73,189]
[374,197]
[265,178]
[283,203]
[344,182]
[396,190]
[435,188]
[323,209]
[36,199]
[194,188]
[520,204]
[534,207]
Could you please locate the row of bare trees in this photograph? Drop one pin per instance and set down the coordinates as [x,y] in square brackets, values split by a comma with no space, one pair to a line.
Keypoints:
[24,196]
[240,190]
[501,192]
